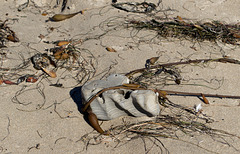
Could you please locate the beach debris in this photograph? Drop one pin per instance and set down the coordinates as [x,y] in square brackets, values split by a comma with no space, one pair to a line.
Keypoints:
[110,49]
[31,79]
[9,82]
[44,14]
[119,101]
[64,3]
[178,28]
[195,61]
[151,61]
[148,73]
[61,17]
[56,85]
[162,95]
[64,51]
[132,85]
[116,96]
[98,103]
[41,36]
[180,20]
[174,73]
[52,74]
[113,104]
[6,34]
[135,7]
[59,53]
[23,5]
[21,79]
[198,107]
[12,37]
[61,43]
[42,61]
[93,120]
[205,100]
[27,78]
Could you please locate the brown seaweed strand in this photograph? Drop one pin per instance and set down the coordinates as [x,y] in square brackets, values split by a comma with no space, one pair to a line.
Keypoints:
[169,92]
[222,60]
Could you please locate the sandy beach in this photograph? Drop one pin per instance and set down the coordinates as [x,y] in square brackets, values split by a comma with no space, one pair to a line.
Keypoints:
[43,116]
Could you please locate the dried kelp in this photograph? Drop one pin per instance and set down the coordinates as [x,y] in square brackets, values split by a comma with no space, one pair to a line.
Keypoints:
[178,28]
[135,7]
[157,75]
[176,120]
[64,3]
[6,34]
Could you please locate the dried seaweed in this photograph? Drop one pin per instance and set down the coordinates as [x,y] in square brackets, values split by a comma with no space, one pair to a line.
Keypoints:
[64,3]
[6,34]
[178,28]
[159,74]
[135,7]
[75,66]
[176,121]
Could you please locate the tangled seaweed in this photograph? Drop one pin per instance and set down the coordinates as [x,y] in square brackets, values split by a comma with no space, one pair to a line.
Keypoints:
[176,121]
[72,63]
[6,34]
[135,7]
[79,61]
[33,72]
[159,74]
[178,28]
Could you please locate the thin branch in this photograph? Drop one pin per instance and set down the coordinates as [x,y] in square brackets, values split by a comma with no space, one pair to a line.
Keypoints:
[169,92]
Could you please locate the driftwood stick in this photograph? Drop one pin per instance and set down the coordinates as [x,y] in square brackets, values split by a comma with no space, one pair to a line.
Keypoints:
[169,92]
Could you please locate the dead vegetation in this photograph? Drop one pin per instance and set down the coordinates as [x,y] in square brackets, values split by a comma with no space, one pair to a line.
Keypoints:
[71,66]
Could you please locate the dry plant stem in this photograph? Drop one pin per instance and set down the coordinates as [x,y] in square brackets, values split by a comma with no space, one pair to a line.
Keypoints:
[222,60]
[169,92]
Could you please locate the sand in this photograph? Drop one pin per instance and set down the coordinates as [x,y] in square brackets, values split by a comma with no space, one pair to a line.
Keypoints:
[39,118]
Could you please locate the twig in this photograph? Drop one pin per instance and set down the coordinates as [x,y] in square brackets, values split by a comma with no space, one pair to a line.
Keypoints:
[169,92]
